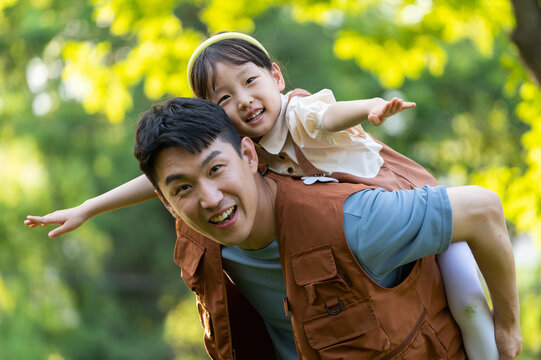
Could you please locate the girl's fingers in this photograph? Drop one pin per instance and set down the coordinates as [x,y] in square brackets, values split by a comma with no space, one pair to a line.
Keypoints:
[44,220]
[58,231]
[409,105]
[31,223]
[391,107]
[388,108]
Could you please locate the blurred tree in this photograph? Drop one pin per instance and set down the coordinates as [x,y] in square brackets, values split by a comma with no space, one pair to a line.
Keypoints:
[75,75]
[527,34]
[102,292]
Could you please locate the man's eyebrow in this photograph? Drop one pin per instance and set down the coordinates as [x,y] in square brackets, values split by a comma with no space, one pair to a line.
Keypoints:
[209,157]
[173,178]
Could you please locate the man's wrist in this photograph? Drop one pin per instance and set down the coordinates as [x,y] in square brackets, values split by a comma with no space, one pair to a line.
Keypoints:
[508,315]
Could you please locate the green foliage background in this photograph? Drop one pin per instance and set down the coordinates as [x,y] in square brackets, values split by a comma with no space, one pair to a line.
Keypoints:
[75,75]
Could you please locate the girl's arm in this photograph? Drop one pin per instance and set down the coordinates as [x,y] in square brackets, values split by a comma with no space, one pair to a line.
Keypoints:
[345,114]
[130,193]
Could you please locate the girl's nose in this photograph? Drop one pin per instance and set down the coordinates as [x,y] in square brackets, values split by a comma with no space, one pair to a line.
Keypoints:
[245,101]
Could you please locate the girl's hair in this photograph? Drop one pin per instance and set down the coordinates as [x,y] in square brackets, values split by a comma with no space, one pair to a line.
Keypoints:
[230,51]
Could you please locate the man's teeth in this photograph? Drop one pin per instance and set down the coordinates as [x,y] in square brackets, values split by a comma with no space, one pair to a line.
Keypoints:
[255,115]
[222,216]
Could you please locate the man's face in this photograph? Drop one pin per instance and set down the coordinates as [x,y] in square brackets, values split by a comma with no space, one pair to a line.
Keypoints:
[214,192]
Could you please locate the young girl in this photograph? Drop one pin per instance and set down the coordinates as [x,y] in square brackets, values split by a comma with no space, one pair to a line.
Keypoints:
[308,136]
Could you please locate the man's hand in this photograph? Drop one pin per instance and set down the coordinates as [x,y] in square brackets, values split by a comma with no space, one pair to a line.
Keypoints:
[508,340]
[69,219]
[387,108]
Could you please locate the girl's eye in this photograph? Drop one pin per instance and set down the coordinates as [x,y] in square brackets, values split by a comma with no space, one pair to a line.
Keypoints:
[182,189]
[250,80]
[222,99]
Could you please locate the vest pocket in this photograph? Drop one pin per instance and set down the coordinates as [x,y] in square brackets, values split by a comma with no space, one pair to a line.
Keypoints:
[313,265]
[351,333]
[424,345]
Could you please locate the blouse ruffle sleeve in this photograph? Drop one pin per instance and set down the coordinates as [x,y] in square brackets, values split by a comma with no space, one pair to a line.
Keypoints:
[350,150]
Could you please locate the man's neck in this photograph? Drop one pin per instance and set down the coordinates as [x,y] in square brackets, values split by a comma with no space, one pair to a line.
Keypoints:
[265,230]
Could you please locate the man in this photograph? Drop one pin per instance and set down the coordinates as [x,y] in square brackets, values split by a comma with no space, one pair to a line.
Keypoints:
[362,287]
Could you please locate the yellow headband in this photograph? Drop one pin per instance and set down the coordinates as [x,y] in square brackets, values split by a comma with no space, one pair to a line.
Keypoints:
[214,39]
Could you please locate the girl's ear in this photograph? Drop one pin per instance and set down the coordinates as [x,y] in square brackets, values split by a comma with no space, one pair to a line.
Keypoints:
[277,75]
[249,153]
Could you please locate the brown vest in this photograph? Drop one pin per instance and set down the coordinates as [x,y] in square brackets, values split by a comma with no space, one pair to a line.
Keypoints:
[233,328]
[337,311]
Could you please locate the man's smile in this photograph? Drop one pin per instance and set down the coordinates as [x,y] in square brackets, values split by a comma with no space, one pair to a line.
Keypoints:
[224,217]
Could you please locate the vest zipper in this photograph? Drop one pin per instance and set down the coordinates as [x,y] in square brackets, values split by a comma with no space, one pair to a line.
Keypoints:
[408,339]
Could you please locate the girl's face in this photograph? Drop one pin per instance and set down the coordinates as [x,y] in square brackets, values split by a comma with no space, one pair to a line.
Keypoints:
[250,96]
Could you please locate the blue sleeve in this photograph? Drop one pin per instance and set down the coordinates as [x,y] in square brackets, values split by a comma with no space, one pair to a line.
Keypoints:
[386,230]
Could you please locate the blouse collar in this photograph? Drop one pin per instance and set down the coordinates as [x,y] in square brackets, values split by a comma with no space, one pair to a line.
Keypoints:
[275,139]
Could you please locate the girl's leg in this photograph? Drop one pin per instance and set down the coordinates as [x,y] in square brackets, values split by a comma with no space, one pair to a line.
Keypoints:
[467,301]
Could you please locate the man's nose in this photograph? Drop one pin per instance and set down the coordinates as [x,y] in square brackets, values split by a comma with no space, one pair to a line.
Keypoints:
[210,195]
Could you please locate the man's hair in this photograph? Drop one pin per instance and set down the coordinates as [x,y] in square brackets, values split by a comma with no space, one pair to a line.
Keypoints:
[230,51]
[187,123]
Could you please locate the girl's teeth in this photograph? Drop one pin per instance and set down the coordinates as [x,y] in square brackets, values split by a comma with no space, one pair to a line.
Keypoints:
[255,115]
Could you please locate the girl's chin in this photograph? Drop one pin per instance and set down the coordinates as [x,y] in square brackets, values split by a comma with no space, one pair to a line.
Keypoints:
[260,130]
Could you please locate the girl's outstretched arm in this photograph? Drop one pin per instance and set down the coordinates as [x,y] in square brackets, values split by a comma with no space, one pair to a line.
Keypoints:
[345,114]
[130,193]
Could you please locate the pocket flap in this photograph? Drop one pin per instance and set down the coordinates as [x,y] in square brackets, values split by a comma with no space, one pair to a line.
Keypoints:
[353,321]
[188,254]
[313,265]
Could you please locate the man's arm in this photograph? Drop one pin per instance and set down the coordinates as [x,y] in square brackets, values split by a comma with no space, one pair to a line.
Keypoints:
[478,219]
[345,114]
[130,193]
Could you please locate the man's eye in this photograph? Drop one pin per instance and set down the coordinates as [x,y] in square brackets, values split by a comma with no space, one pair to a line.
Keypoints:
[215,168]
[222,99]
[182,189]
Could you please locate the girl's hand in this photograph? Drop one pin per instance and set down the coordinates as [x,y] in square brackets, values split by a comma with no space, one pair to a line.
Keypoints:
[387,108]
[69,219]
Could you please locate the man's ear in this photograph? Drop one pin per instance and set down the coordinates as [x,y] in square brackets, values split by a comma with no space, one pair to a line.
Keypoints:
[277,75]
[166,204]
[248,153]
